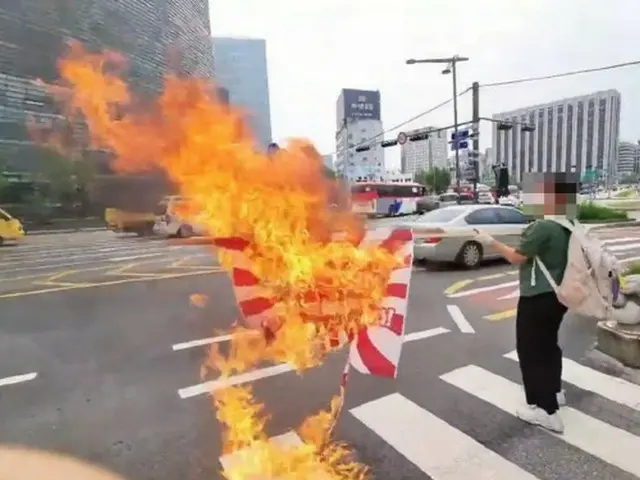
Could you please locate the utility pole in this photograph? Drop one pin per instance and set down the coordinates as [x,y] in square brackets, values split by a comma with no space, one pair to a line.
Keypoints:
[449,69]
[475,132]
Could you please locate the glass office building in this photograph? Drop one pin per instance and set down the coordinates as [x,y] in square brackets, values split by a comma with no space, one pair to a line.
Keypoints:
[240,66]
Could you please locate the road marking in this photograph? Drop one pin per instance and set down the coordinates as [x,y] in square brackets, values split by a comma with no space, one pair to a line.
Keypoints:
[582,431]
[457,286]
[459,319]
[613,388]
[622,248]
[491,277]
[17,379]
[619,240]
[444,453]
[107,284]
[629,259]
[488,288]
[514,294]
[286,441]
[211,386]
[134,257]
[505,314]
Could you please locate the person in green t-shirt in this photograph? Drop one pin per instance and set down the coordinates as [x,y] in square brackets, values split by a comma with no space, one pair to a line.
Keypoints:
[539,312]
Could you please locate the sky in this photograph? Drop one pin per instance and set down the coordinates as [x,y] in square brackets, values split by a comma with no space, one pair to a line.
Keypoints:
[317,47]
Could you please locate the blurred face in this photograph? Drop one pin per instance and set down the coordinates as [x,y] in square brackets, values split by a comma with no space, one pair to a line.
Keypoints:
[549,194]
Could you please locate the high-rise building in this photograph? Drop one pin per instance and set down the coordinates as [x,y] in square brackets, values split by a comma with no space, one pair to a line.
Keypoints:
[628,158]
[156,36]
[240,66]
[573,134]
[327,160]
[358,123]
[423,155]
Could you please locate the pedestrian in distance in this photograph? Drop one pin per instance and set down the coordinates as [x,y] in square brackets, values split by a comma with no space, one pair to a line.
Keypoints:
[551,199]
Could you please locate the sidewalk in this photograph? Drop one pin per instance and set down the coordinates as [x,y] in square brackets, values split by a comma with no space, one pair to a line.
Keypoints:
[56,231]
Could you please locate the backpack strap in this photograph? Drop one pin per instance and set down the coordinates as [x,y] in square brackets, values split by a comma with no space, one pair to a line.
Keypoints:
[545,272]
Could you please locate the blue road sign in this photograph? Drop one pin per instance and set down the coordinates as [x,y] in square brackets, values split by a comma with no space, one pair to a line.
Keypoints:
[461,145]
[460,135]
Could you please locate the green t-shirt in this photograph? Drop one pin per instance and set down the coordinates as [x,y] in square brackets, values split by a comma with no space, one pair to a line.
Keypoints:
[549,241]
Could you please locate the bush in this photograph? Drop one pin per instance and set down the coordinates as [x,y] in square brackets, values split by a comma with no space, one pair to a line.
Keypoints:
[626,194]
[633,269]
[593,212]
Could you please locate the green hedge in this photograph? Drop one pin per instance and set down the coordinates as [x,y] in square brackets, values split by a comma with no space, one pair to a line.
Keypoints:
[593,212]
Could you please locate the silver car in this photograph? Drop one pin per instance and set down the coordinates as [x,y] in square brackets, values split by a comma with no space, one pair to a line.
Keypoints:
[447,234]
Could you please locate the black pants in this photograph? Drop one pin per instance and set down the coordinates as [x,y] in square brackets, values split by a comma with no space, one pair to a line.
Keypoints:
[537,324]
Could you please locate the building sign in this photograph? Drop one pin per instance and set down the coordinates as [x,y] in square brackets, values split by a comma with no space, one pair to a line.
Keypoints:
[361,104]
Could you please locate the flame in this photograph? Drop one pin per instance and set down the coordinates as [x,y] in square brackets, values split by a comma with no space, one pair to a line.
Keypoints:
[324,286]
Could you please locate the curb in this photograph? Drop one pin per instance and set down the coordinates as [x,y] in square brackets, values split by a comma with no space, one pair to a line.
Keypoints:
[64,230]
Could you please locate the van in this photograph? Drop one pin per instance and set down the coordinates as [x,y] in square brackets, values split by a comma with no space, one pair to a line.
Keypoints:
[10,228]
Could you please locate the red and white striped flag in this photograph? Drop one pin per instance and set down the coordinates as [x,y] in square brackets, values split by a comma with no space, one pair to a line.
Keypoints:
[374,350]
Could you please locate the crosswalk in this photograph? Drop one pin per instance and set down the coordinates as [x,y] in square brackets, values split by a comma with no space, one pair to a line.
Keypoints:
[464,426]
[497,293]
[442,451]
[40,254]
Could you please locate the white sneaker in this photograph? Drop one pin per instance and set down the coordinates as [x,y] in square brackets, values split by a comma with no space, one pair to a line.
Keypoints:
[562,398]
[537,416]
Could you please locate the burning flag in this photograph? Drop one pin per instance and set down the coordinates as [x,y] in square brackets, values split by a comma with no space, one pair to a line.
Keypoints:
[307,276]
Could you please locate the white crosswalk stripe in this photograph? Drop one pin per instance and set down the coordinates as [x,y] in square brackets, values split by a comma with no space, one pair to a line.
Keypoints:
[443,452]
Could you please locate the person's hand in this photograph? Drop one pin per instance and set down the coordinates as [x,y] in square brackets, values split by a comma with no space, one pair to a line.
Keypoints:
[483,237]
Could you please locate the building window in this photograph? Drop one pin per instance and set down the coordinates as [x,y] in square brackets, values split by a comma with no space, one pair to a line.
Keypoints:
[590,113]
[579,136]
[602,112]
[569,138]
[550,142]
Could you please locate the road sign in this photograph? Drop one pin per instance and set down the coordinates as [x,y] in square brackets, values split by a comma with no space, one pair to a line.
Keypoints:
[402,138]
[459,145]
[460,135]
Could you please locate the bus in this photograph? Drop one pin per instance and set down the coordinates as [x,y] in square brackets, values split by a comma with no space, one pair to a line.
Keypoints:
[386,198]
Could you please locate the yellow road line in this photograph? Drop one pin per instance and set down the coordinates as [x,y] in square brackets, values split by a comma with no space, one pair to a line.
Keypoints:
[490,277]
[504,315]
[80,286]
[457,286]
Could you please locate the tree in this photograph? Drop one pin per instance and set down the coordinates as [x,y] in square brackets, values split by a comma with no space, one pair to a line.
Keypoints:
[437,179]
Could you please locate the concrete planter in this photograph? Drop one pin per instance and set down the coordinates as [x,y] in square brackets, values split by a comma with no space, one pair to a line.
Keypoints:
[621,342]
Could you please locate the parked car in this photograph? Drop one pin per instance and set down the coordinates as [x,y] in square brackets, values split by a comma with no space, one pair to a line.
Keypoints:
[447,234]
[170,224]
[427,204]
[11,229]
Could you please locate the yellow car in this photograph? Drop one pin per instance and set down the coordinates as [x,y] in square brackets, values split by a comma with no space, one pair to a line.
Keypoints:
[10,228]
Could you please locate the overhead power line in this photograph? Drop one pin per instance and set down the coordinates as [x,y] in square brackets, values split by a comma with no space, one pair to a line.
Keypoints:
[561,75]
[402,124]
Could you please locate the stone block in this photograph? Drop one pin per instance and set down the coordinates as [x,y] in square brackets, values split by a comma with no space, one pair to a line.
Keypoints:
[621,342]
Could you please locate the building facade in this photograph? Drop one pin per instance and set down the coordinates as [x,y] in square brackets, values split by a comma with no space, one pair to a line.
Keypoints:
[240,66]
[359,123]
[157,36]
[573,134]
[628,158]
[327,160]
[423,155]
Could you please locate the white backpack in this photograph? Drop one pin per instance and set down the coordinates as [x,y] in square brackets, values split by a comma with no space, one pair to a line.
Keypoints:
[587,285]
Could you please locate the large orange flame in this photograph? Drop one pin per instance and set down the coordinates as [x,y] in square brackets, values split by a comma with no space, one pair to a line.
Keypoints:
[278,204]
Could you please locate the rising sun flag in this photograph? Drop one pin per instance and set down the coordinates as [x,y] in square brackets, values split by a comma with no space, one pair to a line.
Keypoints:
[308,279]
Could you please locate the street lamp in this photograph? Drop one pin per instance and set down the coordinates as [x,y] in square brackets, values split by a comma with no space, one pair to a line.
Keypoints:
[450,68]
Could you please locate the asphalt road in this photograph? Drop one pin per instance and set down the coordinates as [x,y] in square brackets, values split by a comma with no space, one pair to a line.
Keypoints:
[103,364]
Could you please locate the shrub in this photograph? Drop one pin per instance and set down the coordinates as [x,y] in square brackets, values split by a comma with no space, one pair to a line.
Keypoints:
[633,269]
[593,212]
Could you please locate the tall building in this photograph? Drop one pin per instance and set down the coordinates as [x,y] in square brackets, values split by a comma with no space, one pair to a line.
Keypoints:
[572,134]
[628,158]
[423,155]
[358,123]
[240,66]
[327,160]
[156,36]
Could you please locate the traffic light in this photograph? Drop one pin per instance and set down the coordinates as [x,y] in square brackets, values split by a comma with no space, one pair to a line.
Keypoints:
[528,128]
[418,136]
[388,143]
[504,126]
[363,148]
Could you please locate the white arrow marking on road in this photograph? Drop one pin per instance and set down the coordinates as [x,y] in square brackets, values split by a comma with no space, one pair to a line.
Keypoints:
[213,385]
[17,379]
[459,319]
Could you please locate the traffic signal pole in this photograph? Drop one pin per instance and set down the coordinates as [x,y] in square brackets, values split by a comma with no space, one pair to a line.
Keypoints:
[475,144]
